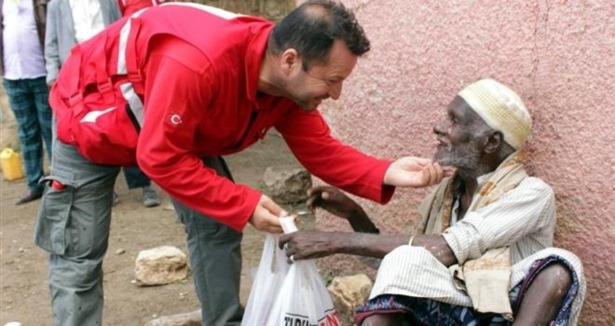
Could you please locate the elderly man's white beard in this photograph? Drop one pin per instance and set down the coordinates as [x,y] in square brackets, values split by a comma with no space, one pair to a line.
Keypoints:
[464,157]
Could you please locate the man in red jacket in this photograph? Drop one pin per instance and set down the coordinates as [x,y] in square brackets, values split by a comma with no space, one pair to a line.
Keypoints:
[173,88]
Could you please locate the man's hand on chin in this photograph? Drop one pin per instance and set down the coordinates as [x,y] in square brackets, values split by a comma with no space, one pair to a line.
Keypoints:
[416,172]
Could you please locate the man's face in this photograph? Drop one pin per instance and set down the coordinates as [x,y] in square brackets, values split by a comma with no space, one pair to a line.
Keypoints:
[460,137]
[309,88]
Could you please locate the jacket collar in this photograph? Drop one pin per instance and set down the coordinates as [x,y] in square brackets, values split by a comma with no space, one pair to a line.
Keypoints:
[254,55]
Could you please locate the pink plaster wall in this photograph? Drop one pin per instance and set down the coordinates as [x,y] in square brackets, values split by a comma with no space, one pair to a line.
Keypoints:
[558,55]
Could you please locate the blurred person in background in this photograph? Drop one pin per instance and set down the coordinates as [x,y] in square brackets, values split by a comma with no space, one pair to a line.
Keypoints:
[22,66]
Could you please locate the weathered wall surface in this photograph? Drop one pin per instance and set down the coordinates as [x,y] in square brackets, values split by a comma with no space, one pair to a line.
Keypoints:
[558,55]
[272,9]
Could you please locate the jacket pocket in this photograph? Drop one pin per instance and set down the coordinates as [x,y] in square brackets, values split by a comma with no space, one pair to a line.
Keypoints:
[53,217]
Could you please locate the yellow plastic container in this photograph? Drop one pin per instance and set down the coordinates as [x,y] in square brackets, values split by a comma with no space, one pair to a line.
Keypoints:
[12,169]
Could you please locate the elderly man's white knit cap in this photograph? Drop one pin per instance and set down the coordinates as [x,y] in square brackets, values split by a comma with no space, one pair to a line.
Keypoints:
[501,108]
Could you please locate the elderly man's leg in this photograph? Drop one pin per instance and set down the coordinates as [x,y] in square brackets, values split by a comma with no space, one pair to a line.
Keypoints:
[405,311]
[544,296]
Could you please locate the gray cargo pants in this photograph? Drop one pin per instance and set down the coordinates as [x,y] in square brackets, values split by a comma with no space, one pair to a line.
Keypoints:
[215,260]
[73,226]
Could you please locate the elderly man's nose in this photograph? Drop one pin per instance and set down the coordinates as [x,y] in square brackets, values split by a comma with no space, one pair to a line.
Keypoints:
[440,128]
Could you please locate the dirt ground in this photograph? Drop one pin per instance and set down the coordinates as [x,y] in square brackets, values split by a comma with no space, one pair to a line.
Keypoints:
[23,267]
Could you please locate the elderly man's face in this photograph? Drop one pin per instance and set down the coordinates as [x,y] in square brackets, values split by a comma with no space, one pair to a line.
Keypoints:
[460,137]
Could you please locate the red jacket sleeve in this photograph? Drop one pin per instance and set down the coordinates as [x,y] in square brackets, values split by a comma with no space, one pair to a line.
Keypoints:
[176,98]
[309,138]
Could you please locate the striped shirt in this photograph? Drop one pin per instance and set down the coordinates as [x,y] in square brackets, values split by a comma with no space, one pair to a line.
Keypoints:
[523,218]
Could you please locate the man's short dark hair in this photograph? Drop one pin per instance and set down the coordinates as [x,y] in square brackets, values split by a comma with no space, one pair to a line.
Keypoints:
[313,26]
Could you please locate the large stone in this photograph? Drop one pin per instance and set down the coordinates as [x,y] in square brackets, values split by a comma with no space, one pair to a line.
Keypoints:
[348,292]
[160,266]
[287,186]
[187,319]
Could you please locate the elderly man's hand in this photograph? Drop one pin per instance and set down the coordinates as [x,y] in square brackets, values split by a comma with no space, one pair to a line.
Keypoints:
[415,172]
[308,244]
[336,202]
[332,200]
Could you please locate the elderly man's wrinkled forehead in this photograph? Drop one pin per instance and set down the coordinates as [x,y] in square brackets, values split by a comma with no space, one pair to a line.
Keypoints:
[459,109]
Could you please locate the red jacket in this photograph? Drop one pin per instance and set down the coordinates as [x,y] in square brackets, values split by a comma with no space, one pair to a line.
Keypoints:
[190,76]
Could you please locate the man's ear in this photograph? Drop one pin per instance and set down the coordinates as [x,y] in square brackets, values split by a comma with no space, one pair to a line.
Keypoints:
[495,141]
[289,61]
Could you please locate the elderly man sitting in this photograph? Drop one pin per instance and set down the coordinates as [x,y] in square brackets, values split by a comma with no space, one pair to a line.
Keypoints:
[481,253]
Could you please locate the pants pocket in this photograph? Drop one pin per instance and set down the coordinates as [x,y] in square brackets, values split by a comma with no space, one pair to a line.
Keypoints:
[53,217]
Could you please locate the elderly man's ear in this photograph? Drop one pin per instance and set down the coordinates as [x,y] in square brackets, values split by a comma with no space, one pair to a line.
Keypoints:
[495,141]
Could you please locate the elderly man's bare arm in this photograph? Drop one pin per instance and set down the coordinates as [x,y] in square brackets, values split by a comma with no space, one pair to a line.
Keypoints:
[437,246]
[365,242]
[316,244]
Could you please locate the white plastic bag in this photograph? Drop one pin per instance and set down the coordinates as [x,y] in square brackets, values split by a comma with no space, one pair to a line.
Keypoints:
[266,284]
[284,295]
